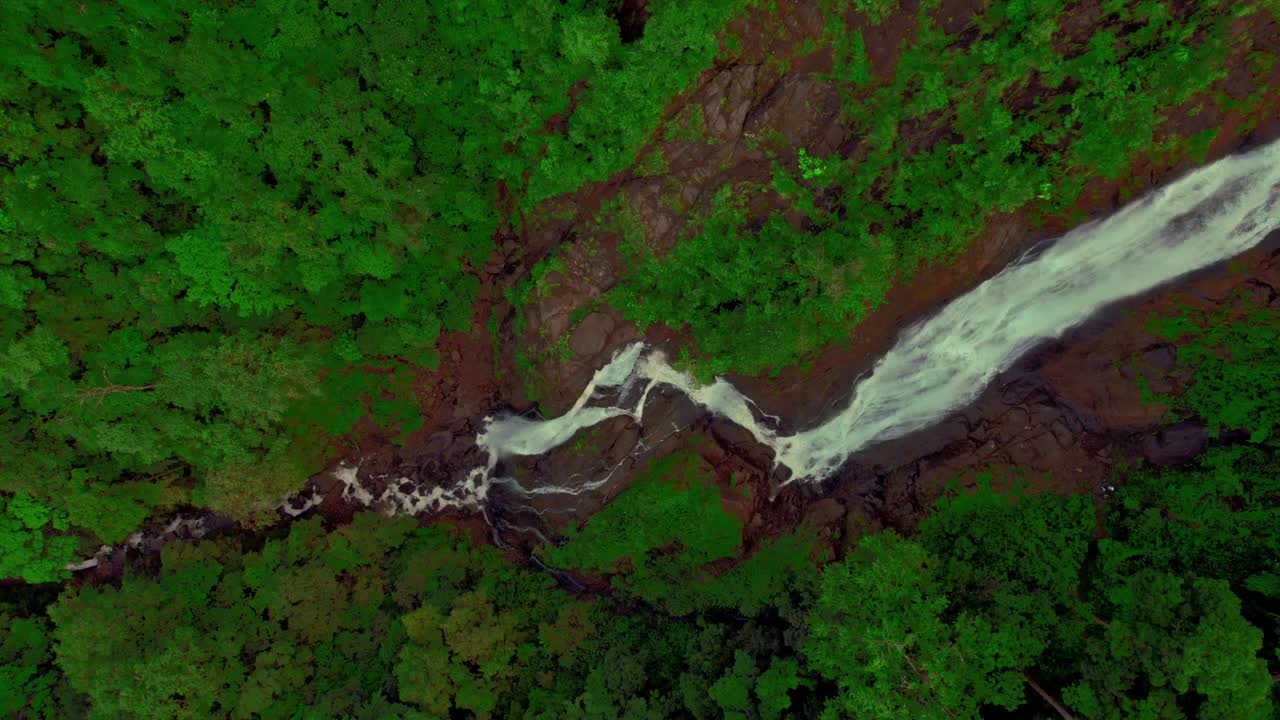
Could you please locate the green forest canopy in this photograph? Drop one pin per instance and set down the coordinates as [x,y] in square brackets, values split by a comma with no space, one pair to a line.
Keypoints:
[1000,600]
[229,231]
[232,231]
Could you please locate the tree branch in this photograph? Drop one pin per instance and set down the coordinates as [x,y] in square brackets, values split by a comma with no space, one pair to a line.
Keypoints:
[83,394]
[1048,698]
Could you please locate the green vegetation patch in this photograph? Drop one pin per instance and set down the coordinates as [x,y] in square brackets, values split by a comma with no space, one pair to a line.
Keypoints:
[1004,601]
[33,543]
[313,620]
[378,619]
[1230,362]
[658,535]
[668,523]
[520,296]
[955,133]
[740,293]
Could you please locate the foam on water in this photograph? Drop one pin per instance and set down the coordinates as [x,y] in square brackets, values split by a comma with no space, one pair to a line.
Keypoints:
[941,364]
[937,366]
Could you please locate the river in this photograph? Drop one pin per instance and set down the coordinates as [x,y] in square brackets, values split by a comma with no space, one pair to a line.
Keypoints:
[943,362]
[936,366]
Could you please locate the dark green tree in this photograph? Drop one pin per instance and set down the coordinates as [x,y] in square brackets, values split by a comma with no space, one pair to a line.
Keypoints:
[1173,647]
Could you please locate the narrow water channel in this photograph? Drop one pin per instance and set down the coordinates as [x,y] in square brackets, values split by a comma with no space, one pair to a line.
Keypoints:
[936,367]
[943,362]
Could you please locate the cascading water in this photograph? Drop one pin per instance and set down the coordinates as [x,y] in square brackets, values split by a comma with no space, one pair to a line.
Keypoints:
[942,363]
[936,366]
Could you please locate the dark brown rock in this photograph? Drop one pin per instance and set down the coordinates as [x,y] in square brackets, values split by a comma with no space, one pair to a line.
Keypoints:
[826,511]
[738,441]
[1175,444]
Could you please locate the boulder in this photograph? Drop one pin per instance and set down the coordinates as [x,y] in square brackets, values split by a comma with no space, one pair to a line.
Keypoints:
[1175,444]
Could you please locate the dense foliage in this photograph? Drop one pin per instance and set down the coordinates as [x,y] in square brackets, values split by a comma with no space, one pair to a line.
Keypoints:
[1229,359]
[661,534]
[1164,606]
[231,231]
[378,619]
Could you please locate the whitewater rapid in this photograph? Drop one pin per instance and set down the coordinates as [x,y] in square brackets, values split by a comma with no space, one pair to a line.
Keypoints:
[936,366]
[941,364]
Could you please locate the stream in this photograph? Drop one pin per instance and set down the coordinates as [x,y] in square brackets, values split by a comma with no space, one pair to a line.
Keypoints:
[936,366]
[942,363]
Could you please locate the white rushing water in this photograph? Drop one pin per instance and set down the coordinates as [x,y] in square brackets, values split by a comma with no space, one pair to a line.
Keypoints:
[941,364]
[936,366]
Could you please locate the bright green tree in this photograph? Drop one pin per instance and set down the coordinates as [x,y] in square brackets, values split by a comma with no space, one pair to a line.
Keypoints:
[1016,562]
[881,630]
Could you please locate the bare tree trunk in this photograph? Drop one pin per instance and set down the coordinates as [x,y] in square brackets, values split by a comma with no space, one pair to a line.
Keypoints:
[1048,698]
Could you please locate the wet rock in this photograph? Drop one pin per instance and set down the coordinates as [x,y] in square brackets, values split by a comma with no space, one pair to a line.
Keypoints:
[711,452]
[1018,391]
[569,376]
[667,416]
[668,410]
[1086,378]
[448,463]
[956,15]
[859,524]
[594,454]
[437,444]
[942,438]
[624,443]
[1160,357]
[1018,418]
[804,109]
[738,441]
[554,307]
[1040,451]
[1240,81]
[1175,444]
[1093,442]
[1257,292]
[980,431]
[646,197]
[736,503]
[902,509]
